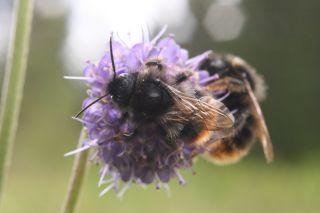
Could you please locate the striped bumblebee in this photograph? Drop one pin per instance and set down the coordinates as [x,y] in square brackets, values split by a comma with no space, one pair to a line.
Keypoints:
[243,89]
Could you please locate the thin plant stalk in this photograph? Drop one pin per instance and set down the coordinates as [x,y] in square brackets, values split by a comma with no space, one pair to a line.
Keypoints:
[14,77]
[78,174]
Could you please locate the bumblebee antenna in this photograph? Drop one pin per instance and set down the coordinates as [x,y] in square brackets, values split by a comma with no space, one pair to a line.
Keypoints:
[112,59]
[114,76]
[89,105]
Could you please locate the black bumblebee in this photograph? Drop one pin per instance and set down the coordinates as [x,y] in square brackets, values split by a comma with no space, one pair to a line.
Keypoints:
[147,96]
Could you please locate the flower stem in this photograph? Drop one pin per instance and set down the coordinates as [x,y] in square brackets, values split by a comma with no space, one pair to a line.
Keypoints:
[77,175]
[12,90]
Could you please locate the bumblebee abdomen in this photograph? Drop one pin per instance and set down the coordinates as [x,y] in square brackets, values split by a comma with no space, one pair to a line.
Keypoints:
[231,149]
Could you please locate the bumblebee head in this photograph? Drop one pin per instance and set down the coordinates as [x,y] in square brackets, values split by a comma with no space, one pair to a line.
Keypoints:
[121,88]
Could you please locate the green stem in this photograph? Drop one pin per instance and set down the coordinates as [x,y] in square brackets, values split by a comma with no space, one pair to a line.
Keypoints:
[79,168]
[13,83]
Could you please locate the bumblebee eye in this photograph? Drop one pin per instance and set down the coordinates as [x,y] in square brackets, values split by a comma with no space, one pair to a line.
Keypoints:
[121,88]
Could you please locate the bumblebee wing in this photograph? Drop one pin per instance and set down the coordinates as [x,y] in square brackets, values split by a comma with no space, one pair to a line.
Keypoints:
[263,132]
[207,111]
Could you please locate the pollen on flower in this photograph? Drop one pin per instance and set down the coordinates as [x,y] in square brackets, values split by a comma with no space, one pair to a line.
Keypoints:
[147,158]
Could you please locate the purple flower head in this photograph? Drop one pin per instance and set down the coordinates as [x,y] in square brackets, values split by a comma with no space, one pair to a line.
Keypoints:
[148,157]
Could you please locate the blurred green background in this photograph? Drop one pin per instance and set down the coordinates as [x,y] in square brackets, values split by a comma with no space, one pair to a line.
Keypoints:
[280,38]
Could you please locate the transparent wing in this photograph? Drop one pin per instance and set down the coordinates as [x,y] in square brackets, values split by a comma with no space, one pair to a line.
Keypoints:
[263,132]
[207,111]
